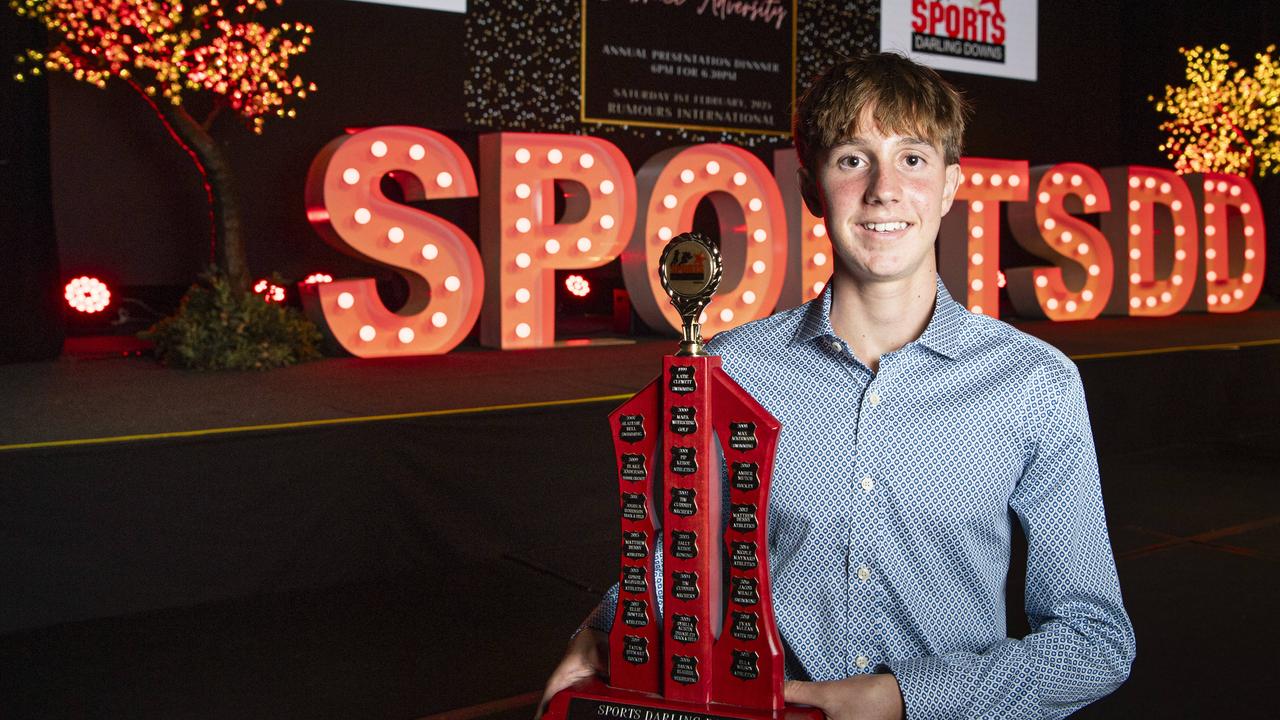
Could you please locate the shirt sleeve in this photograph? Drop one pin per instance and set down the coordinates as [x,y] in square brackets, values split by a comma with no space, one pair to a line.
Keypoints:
[1082,643]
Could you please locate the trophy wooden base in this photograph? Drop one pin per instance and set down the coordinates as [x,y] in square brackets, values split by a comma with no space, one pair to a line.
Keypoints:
[594,700]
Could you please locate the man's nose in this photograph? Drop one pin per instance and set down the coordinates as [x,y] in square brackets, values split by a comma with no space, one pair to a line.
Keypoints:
[884,185]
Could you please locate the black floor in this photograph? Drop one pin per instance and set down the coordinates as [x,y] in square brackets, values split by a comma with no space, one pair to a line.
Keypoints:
[409,568]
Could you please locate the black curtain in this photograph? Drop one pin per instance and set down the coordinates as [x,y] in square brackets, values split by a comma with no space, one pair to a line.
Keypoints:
[31,322]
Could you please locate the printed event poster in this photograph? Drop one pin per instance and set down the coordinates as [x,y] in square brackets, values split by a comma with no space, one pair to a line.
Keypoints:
[716,65]
[982,37]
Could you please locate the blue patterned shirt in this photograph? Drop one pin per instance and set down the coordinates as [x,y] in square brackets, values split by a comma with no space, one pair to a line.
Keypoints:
[889,515]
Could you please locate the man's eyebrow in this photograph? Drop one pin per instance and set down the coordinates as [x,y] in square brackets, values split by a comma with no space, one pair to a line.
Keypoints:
[909,141]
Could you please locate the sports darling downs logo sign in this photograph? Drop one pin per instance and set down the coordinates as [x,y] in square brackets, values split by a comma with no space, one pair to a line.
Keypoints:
[983,37]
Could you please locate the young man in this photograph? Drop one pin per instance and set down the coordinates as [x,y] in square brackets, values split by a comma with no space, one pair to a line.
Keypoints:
[913,431]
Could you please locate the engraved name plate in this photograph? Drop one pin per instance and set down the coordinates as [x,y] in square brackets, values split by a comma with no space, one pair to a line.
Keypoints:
[684,544]
[684,669]
[745,591]
[635,650]
[742,436]
[684,420]
[633,506]
[633,468]
[743,555]
[746,476]
[634,579]
[682,380]
[635,613]
[684,628]
[683,501]
[635,545]
[743,517]
[745,665]
[684,460]
[746,626]
[631,428]
[686,585]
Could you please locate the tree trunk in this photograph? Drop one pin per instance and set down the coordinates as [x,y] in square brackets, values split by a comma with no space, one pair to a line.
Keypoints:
[219,182]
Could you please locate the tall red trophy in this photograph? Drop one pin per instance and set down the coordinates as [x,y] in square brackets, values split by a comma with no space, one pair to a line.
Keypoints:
[715,651]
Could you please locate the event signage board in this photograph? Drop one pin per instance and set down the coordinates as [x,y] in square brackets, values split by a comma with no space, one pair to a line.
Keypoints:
[695,64]
[1128,240]
[981,37]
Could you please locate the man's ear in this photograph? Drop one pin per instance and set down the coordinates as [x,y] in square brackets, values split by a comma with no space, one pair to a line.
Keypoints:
[951,184]
[809,191]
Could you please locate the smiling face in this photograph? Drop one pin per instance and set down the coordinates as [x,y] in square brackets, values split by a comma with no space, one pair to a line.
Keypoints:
[882,196]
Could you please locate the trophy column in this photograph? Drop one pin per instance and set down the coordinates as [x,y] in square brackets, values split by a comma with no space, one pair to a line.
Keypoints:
[748,656]
[634,646]
[691,565]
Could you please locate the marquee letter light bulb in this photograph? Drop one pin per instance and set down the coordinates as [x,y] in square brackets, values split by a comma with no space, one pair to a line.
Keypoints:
[1078,283]
[753,235]
[809,258]
[969,244]
[1235,240]
[524,243]
[1164,243]
[346,206]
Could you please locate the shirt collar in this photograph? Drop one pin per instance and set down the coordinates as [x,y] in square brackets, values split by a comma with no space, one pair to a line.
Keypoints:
[946,334]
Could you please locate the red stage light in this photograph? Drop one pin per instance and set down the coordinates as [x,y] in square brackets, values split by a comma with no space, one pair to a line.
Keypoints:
[577,285]
[315,278]
[269,291]
[88,294]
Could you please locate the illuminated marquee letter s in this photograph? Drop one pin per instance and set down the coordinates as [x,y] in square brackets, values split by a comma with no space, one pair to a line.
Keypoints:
[1079,284]
[441,264]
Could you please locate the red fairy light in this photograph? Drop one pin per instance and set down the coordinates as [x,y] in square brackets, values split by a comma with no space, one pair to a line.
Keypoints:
[269,291]
[316,278]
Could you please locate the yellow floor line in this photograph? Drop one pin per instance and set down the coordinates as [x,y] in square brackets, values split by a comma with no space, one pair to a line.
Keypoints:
[1179,348]
[310,423]
[513,406]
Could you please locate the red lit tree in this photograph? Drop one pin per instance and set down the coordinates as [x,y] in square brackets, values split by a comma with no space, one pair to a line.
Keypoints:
[210,55]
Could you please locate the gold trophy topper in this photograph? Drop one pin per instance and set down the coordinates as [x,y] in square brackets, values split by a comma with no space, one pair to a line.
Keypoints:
[690,271]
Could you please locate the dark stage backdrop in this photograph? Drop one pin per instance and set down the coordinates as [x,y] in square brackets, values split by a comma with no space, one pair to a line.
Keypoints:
[129,205]
[30,306]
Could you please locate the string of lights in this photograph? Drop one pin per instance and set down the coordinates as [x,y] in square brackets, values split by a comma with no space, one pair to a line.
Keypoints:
[1225,119]
[171,49]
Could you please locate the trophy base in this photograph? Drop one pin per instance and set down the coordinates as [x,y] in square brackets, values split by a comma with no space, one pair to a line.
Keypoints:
[594,700]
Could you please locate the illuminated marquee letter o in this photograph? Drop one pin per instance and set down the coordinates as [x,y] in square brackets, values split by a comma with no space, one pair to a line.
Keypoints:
[346,206]
[753,233]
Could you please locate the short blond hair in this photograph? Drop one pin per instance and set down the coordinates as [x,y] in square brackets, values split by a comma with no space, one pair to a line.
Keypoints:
[902,96]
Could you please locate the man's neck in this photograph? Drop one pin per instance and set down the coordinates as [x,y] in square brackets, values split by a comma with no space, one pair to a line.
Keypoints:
[881,317]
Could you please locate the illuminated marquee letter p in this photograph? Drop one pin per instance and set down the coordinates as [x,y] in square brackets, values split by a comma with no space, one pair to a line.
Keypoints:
[526,175]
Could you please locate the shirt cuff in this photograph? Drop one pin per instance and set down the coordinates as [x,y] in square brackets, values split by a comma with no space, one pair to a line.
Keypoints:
[932,688]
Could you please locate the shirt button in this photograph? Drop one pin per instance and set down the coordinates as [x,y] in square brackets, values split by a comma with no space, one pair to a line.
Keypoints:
[864,573]
[862,662]
[835,345]
[874,398]
[868,483]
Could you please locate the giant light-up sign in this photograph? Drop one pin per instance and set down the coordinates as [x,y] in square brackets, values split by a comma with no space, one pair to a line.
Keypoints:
[1166,243]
